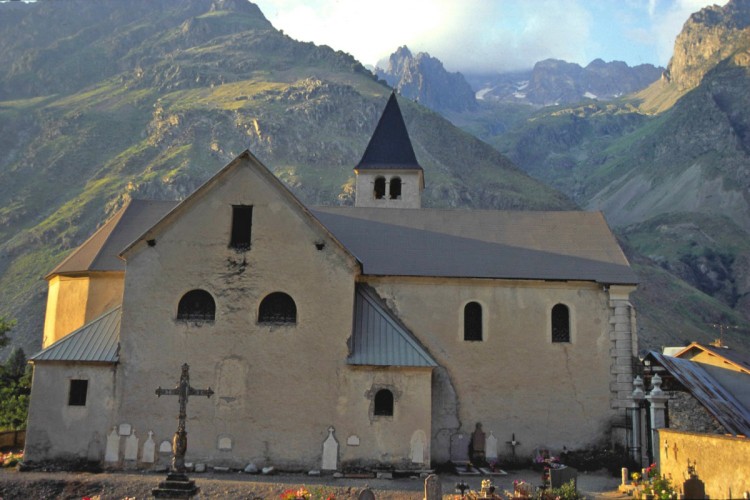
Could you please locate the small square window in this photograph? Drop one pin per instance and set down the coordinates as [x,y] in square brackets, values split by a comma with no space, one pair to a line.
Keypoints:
[78,391]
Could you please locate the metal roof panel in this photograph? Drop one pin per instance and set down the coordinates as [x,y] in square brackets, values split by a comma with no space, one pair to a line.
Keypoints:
[380,338]
[95,342]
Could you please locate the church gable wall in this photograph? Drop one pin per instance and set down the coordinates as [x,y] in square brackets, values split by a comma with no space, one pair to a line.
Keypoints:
[515,380]
[274,382]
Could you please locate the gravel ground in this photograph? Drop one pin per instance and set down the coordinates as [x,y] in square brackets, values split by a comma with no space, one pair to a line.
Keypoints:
[121,485]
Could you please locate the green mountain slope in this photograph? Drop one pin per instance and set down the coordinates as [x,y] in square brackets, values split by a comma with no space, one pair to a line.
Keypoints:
[105,101]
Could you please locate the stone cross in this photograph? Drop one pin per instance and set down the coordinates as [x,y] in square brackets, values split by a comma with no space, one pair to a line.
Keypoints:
[183,390]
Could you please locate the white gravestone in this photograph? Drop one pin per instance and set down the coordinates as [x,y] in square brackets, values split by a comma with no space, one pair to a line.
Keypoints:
[112,453]
[165,447]
[131,447]
[352,440]
[417,447]
[125,429]
[491,447]
[330,452]
[225,443]
[149,449]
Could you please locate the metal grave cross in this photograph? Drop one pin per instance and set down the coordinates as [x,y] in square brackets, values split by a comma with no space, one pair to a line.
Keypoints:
[183,390]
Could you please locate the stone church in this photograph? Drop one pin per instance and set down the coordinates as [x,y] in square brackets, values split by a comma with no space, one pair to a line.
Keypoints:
[334,337]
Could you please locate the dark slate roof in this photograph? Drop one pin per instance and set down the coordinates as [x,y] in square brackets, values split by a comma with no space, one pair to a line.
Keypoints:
[95,342]
[100,251]
[480,243]
[715,397]
[379,338]
[390,146]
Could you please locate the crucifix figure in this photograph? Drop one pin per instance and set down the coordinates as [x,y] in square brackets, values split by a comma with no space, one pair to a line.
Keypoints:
[179,441]
[513,443]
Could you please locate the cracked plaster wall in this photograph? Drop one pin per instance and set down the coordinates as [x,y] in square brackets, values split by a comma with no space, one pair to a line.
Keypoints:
[515,380]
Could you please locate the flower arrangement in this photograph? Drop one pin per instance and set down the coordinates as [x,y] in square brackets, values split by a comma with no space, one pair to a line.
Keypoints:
[636,478]
[10,459]
[657,486]
[303,493]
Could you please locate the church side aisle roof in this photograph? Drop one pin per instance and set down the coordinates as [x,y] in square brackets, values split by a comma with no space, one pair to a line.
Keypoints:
[99,252]
[390,146]
[380,339]
[480,243]
[95,342]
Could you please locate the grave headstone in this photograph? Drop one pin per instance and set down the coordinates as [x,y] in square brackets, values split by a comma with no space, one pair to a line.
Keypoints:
[694,488]
[225,443]
[459,448]
[149,449]
[417,447]
[491,447]
[561,476]
[432,488]
[125,429]
[165,447]
[478,445]
[352,440]
[112,452]
[131,447]
[366,494]
[330,452]
[94,450]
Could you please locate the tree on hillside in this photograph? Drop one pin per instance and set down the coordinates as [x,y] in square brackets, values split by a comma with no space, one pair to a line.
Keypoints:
[15,389]
[5,326]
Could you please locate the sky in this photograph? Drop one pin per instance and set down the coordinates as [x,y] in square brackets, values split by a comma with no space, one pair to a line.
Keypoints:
[490,35]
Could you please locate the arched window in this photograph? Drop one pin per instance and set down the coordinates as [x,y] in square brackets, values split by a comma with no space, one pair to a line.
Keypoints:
[473,321]
[277,307]
[197,305]
[379,188]
[383,403]
[395,191]
[560,323]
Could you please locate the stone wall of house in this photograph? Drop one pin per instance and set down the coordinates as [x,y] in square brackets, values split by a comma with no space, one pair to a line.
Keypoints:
[721,462]
[687,414]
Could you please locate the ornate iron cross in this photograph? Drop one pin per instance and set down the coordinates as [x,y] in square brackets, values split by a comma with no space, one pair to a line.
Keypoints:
[183,390]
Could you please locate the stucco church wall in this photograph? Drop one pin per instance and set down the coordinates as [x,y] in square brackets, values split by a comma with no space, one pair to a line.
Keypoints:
[275,384]
[74,301]
[57,430]
[384,439]
[516,380]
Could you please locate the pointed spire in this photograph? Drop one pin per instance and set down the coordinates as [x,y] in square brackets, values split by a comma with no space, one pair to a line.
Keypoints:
[390,146]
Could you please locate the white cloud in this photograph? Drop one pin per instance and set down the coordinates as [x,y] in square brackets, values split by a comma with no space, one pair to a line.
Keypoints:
[495,35]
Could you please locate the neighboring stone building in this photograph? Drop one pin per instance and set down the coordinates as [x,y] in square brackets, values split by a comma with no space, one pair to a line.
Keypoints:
[384,330]
[707,388]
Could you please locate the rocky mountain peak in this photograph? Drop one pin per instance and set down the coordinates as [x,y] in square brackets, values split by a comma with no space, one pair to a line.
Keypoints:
[707,37]
[424,78]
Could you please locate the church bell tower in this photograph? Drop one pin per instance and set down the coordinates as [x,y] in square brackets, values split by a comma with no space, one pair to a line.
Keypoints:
[388,174]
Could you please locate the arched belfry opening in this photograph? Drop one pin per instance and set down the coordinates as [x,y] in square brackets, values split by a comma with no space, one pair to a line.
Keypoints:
[388,175]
